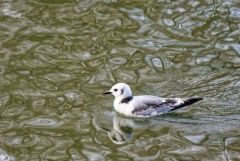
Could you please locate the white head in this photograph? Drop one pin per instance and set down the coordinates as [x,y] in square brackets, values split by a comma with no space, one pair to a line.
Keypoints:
[120,90]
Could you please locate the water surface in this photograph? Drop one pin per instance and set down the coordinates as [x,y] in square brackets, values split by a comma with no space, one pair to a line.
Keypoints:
[58,56]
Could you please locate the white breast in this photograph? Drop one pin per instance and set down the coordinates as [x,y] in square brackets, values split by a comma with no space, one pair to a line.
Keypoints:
[123,108]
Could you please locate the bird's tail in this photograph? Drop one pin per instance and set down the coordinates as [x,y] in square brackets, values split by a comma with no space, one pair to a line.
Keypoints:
[187,102]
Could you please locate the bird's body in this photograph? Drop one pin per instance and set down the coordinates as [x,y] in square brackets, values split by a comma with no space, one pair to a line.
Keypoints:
[144,105]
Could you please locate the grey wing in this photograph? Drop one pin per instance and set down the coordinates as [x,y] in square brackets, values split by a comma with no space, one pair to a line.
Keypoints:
[148,99]
[153,108]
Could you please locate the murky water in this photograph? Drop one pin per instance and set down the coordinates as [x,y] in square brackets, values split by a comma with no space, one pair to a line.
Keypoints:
[58,56]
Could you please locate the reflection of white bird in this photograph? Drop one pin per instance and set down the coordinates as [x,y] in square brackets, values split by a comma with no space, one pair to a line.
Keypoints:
[145,105]
[122,130]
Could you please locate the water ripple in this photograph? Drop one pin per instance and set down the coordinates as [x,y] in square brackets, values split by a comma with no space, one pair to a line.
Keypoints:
[42,122]
[22,141]
[58,57]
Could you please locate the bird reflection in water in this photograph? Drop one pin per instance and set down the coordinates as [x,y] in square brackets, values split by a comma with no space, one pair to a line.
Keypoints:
[122,131]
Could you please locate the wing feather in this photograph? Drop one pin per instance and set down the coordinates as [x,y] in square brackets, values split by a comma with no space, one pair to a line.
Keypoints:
[152,105]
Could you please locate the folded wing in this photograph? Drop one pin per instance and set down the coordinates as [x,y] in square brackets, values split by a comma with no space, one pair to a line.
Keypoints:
[152,106]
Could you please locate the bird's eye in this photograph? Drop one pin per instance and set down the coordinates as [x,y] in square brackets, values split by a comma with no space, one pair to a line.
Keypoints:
[115,90]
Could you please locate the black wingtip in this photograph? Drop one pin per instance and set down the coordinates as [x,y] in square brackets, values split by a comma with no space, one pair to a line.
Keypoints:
[188,102]
[193,100]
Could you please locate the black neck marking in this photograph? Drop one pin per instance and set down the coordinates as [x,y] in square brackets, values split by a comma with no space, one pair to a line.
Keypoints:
[127,99]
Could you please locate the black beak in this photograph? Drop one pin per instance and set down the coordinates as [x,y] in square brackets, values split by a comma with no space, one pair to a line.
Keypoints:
[108,92]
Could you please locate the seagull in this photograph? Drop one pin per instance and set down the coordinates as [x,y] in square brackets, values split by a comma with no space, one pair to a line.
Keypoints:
[144,105]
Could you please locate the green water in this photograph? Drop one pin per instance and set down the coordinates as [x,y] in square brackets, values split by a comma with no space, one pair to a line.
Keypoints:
[57,57]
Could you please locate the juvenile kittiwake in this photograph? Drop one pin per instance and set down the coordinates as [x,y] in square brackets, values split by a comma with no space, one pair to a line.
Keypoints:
[144,105]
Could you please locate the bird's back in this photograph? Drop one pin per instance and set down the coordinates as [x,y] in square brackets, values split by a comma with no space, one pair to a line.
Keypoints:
[147,106]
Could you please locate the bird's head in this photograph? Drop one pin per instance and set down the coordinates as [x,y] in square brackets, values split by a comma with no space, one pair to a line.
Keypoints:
[120,90]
